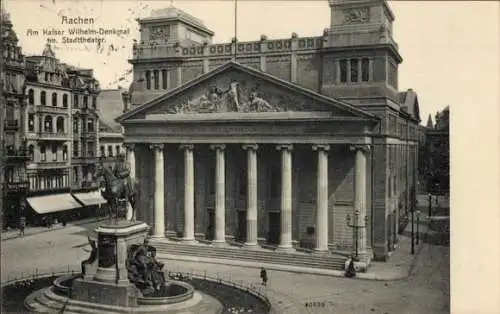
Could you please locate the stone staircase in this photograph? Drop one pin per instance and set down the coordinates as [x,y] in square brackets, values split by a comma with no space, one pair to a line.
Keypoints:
[262,255]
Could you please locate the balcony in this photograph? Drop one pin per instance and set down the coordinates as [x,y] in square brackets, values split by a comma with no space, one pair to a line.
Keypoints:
[89,135]
[84,186]
[11,125]
[53,136]
[18,186]
[44,164]
[52,109]
[85,159]
[17,155]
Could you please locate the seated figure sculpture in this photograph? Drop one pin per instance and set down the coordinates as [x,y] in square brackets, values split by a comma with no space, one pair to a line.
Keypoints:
[143,268]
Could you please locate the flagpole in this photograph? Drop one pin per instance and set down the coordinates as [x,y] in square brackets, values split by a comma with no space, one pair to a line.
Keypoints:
[235,28]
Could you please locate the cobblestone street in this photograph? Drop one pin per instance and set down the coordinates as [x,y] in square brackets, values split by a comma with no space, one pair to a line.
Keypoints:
[426,291]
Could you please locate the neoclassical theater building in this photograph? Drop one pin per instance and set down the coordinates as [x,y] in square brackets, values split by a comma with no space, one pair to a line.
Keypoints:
[300,142]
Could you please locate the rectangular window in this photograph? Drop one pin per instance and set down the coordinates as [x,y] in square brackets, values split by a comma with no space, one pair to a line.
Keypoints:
[275,182]
[110,151]
[117,150]
[75,148]
[54,153]
[354,70]
[102,151]
[148,79]
[365,69]
[157,79]
[164,79]
[43,157]
[243,182]
[75,125]
[343,71]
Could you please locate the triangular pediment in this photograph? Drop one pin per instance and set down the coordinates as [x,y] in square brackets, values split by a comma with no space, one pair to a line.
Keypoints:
[235,88]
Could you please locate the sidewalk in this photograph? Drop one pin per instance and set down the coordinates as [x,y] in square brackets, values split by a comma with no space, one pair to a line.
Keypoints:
[29,231]
[397,267]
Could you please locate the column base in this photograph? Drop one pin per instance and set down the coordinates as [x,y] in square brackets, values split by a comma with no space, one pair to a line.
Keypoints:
[158,236]
[188,241]
[251,245]
[219,243]
[321,251]
[285,248]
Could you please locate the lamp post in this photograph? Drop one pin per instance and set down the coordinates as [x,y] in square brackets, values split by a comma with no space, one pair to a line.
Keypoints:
[356,226]
[418,223]
[430,205]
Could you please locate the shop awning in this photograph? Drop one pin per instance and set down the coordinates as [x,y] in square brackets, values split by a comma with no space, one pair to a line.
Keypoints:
[53,203]
[90,198]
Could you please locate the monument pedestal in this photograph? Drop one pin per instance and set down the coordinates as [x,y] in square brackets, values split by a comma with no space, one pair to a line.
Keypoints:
[106,280]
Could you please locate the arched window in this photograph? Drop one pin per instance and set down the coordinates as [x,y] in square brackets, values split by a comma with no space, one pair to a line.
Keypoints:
[148,79]
[60,125]
[31,151]
[47,124]
[85,101]
[54,99]
[75,101]
[43,99]
[94,102]
[31,122]
[31,97]
[65,100]
[65,152]
[46,77]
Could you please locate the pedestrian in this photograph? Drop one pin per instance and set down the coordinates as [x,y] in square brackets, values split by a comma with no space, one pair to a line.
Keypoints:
[263,276]
[22,226]
[350,270]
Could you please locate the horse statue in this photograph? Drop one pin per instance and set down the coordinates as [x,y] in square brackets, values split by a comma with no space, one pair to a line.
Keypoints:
[120,188]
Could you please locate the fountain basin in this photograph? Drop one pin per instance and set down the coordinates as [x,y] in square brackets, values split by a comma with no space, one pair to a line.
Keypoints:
[173,292]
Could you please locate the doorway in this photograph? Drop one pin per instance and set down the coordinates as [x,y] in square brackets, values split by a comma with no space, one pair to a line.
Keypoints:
[274,228]
[210,232]
[241,234]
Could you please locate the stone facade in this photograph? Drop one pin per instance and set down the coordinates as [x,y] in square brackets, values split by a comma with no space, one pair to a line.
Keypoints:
[338,90]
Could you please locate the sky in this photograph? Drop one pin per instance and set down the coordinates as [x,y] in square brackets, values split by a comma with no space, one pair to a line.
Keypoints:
[446,46]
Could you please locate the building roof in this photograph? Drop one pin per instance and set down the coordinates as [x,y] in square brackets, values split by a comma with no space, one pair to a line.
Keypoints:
[409,103]
[173,13]
[110,107]
[233,65]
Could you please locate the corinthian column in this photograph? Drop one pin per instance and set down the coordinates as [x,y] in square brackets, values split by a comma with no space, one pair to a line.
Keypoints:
[188,193]
[159,207]
[220,195]
[251,195]
[360,198]
[131,161]
[286,197]
[322,199]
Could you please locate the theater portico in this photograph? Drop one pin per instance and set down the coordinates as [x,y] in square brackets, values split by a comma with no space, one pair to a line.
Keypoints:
[254,160]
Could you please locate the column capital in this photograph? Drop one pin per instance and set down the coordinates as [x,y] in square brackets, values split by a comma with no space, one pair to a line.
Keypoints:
[157,146]
[363,147]
[129,146]
[323,147]
[218,146]
[189,147]
[250,146]
[287,147]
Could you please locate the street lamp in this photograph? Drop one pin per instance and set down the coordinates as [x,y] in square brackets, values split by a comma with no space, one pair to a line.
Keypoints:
[430,204]
[418,223]
[356,226]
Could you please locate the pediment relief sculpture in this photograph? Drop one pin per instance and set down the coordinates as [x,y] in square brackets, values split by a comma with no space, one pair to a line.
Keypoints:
[233,98]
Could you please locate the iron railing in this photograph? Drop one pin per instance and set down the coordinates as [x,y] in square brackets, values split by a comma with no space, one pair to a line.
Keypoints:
[258,291]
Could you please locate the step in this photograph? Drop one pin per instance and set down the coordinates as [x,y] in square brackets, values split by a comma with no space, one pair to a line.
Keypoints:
[259,255]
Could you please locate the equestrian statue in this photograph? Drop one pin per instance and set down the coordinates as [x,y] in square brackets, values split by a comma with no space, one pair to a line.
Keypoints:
[119,188]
